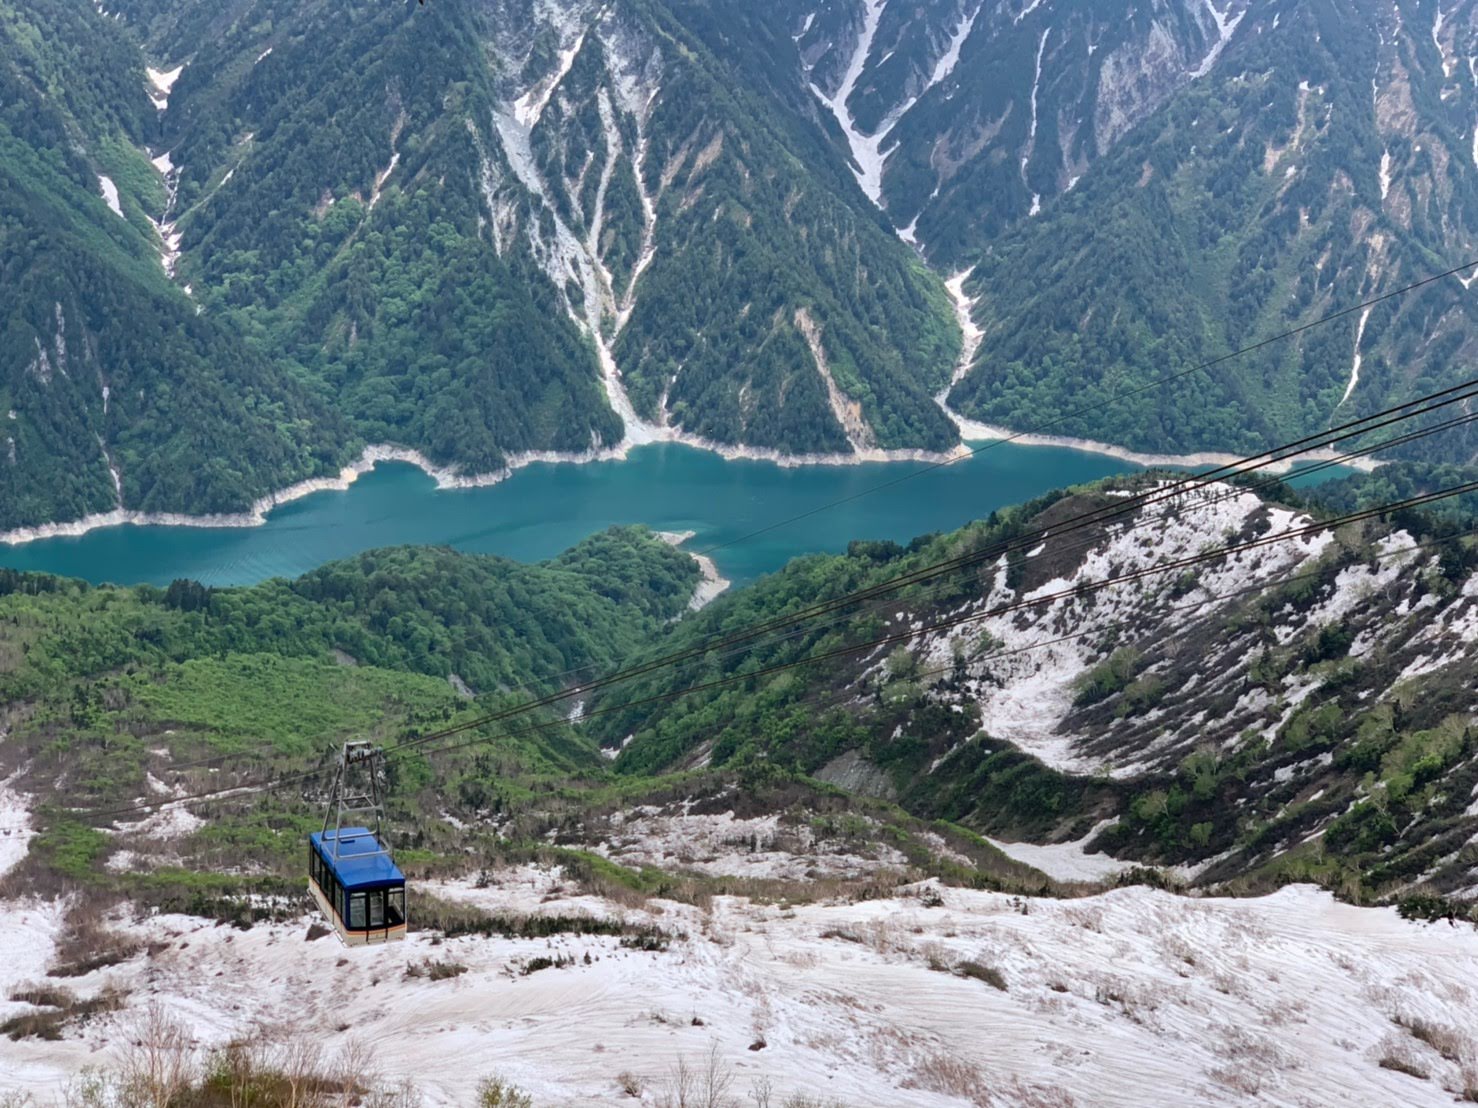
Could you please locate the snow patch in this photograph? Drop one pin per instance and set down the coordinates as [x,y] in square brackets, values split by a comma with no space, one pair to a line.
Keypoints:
[1066,861]
[1026,11]
[866,149]
[160,83]
[1355,364]
[110,194]
[951,56]
[15,826]
[530,106]
[1031,133]
[1225,28]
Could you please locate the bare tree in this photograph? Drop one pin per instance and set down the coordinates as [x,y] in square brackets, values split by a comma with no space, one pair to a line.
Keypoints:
[299,1058]
[705,1086]
[159,1060]
[354,1071]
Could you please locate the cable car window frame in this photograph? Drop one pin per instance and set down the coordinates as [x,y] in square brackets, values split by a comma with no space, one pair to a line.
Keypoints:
[375,909]
[355,922]
[395,906]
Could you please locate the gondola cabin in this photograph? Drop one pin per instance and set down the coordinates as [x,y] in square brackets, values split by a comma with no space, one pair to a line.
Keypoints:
[357,886]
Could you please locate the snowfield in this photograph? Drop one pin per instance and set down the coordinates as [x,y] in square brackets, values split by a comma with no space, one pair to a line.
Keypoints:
[723,845]
[1133,997]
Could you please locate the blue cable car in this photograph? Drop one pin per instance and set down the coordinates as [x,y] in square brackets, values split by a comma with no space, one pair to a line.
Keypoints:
[356,885]
[351,876]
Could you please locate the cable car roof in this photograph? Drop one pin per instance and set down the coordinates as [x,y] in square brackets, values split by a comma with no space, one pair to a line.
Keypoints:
[361,860]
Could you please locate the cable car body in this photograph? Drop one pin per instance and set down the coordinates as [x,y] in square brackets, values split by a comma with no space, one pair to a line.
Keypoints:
[351,876]
[356,885]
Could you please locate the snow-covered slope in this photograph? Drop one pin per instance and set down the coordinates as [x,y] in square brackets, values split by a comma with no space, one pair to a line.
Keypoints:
[1134,997]
[1302,700]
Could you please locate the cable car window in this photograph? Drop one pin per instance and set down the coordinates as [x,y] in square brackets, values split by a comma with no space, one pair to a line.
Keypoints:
[377,908]
[395,907]
[356,911]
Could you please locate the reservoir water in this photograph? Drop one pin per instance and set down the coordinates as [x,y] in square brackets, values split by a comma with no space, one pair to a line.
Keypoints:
[546,508]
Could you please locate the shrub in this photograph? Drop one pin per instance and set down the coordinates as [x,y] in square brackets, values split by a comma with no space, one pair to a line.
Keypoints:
[495,1092]
[629,1084]
[1107,678]
[1403,1065]
[989,974]
[534,965]
[435,970]
[62,1007]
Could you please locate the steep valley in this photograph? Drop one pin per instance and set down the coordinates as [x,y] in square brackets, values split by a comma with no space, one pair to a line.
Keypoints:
[764,482]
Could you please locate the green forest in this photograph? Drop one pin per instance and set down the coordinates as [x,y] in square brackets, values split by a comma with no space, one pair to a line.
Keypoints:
[363,257]
[1251,205]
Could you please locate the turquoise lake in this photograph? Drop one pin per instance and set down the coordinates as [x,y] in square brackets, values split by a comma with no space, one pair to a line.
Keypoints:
[546,508]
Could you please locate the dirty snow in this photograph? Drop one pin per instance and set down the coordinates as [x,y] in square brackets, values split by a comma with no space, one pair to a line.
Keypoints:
[723,845]
[1066,861]
[1133,997]
[1027,679]
[160,83]
[165,824]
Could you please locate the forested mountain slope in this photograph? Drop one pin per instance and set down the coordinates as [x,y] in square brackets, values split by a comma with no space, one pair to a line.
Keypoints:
[477,231]
[1137,187]
[1326,159]
[113,391]
[512,205]
[1302,709]
[964,116]
[389,639]
[492,231]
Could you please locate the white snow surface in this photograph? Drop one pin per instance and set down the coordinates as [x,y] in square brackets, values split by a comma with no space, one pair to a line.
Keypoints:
[1026,11]
[1225,28]
[866,149]
[1025,694]
[15,826]
[160,83]
[1031,133]
[868,153]
[1355,363]
[951,56]
[1066,861]
[110,194]
[1135,997]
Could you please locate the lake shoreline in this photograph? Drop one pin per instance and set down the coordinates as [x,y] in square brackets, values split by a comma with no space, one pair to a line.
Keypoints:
[712,584]
[450,477]
[974,431]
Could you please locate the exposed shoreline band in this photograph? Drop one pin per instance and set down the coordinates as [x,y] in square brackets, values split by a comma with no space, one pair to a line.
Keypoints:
[447,477]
